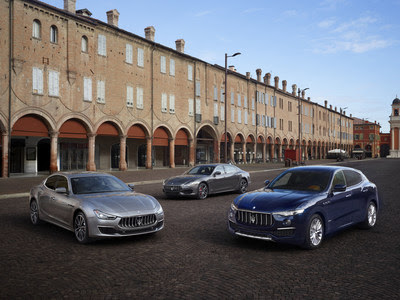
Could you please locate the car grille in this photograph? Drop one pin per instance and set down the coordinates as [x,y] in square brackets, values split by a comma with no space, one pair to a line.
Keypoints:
[172,188]
[254,218]
[137,221]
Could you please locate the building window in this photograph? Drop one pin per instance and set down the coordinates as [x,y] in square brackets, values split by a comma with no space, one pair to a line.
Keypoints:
[129,96]
[222,95]
[239,102]
[101,91]
[280,103]
[198,106]
[139,98]
[253,118]
[215,93]
[232,98]
[36,29]
[102,45]
[245,104]
[215,109]
[163,65]
[164,98]
[128,53]
[37,81]
[54,83]
[171,104]
[252,104]
[172,67]
[53,34]
[232,115]
[222,113]
[239,112]
[87,89]
[84,44]
[191,107]
[190,72]
[198,89]
[245,117]
[140,58]
[290,124]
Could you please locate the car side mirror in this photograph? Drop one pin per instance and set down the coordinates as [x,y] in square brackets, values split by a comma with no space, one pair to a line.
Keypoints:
[217,173]
[61,190]
[131,186]
[266,183]
[339,188]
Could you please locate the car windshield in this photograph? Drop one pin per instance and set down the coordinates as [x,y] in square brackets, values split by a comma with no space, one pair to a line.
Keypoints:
[310,180]
[97,184]
[201,170]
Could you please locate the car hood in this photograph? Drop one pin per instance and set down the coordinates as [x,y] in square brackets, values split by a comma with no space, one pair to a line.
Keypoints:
[183,179]
[121,203]
[270,201]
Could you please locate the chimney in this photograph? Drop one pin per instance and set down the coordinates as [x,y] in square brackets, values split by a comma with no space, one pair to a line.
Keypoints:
[303,94]
[180,45]
[284,84]
[149,33]
[258,71]
[276,78]
[351,115]
[335,108]
[326,103]
[70,5]
[330,107]
[247,75]
[232,68]
[294,88]
[309,99]
[112,17]
[267,79]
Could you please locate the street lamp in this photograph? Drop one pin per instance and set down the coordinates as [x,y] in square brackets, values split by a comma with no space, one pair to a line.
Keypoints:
[340,133]
[226,84]
[300,120]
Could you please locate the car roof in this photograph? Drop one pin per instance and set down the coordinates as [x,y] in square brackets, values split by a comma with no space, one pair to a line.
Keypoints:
[80,174]
[323,167]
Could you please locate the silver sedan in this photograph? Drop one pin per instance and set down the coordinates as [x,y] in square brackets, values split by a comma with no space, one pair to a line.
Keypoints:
[94,205]
[202,180]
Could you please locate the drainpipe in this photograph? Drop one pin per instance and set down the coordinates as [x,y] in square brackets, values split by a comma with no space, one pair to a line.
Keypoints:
[152,104]
[195,111]
[10,57]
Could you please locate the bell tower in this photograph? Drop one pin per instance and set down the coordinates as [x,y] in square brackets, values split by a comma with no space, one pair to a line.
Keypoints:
[395,129]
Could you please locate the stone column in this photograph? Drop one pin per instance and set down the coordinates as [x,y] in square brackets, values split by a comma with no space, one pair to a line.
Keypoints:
[244,152]
[217,146]
[122,153]
[53,151]
[191,153]
[264,150]
[232,155]
[172,153]
[148,153]
[4,155]
[91,166]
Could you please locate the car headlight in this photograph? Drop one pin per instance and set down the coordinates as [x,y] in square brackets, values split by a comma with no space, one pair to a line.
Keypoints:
[232,212]
[289,213]
[160,211]
[103,216]
[233,207]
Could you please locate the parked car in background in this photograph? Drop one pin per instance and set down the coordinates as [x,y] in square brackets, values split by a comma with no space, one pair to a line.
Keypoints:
[94,205]
[203,180]
[303,205]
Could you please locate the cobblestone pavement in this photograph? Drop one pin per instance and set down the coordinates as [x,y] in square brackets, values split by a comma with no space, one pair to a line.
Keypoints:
[195,257]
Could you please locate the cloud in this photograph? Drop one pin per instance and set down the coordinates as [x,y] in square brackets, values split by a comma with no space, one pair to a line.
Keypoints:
[203,13]
[331,4]
[252,10]
[355,36]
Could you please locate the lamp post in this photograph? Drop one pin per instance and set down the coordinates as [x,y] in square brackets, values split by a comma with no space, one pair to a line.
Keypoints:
[300,121]
[226,84]
[340,133]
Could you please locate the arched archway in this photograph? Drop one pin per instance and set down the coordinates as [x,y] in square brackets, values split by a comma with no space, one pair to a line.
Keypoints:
[138,147]
[26,133]
[182,147]
[108,146]
[250,149]
[228,147]
[207,148]
[161,149]
[238,153]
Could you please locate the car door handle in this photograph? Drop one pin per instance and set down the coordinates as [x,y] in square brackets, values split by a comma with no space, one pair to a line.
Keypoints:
[52,198]
[365,190]
[326,202]
[348,195]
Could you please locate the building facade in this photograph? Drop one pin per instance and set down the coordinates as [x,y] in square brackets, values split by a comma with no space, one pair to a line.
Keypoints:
[395,129]
[81,94]
[367,137]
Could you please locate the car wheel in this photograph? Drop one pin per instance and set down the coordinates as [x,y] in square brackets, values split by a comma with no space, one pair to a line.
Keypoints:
[81,228]
[243,186]
[34,213]
[370,219]
[314,232]
[202,191]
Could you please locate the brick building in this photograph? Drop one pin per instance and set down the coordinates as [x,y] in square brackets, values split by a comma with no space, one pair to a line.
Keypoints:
[78,93]
[395,129]
[367,137]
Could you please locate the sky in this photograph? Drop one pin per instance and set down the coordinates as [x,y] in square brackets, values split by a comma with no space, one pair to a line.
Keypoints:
[345,51]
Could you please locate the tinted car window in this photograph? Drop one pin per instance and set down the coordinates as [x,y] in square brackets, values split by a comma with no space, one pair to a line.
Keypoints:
[230,169]
[201,170]
[61,182]
[97,184]
[51,182]
[352,177]
[220,169]
[338,179]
